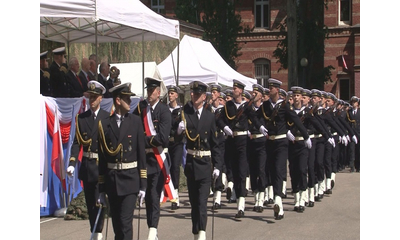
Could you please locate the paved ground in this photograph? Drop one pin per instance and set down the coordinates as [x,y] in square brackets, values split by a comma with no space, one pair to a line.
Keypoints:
[336,217]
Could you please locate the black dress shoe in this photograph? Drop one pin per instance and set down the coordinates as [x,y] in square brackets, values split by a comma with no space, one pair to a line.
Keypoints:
[296,209]
[306,203]
[301,209]
[276,210]
[259,209]
[270,201]
[255,209]
[240,214]
[317,198]
[321,196]
[174,206]
[228,193]
[329,191]
[216,206]
[332,183]
[311,204]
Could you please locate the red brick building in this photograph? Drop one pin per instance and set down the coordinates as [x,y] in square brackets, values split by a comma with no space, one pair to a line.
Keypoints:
[342,17]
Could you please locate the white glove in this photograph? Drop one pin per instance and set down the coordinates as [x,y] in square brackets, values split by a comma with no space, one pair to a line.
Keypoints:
[102,199]
[340,138]
[263,130]
[354,138]
[181,127]
[348,138]
[308,143]
[70,171]
[290,136]
[332,142]
[141,196]
[248,133]
[228,131]
[344,140]
[215,173]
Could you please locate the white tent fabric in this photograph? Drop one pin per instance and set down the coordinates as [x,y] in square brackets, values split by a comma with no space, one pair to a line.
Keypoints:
[132,72]
[73,21]
[198,60]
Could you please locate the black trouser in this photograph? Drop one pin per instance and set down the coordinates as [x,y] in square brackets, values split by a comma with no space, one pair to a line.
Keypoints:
[198,195]
[91,191]
[342,156]
[298,158]
[328,159]
[335,154]
[357,157]
[236,149]
[175,151]
[257,158]
[227,161]
[155,184]
[311,164]
[319,158]
[122,208]
[277,154]
[219,186]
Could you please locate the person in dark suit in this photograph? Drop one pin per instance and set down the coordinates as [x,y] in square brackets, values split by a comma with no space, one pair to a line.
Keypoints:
[104,70]
[203,159]
[84,73]
[122,162]
[76,85]
[156,143]
[175,145]
[86,135]
[45,88]
[353,117]
[92,70]
[276,112]
[234,121]
[58,71]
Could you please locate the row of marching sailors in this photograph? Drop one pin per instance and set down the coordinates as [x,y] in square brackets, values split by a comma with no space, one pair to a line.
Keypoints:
[257,138]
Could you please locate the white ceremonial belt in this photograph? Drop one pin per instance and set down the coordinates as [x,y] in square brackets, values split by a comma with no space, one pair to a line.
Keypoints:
[257,135]
[150,150]
[239,133]
[90,155]
[275,137]
[121,166]
[302,138]
[334,134]
[318,136]
[199,153]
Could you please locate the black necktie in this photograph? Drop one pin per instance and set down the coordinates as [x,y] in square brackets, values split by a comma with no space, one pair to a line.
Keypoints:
[198,114]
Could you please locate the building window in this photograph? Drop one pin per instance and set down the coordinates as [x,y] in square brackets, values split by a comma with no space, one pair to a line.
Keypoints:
[262,71]
[344,12]
[158,6]
[344,89]
[261,13]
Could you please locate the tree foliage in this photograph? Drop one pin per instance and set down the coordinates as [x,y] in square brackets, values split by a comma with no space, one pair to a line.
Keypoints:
[311,35]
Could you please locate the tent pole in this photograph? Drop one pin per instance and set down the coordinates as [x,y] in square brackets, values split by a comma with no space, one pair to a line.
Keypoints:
[95,42]
[143,63]
[177,65]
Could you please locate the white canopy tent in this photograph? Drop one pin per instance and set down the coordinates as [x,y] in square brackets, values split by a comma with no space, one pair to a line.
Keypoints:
[198,60]
[74,21]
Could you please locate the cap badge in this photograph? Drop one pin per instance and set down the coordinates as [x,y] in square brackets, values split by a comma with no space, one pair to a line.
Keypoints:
[92,86]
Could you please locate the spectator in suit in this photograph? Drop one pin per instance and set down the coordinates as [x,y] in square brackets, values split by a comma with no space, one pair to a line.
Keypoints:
[84,73]
[104,70]
[45,89]
[76,85]
[92,70]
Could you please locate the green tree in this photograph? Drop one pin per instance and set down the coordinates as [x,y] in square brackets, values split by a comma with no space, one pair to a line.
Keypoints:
[311,34]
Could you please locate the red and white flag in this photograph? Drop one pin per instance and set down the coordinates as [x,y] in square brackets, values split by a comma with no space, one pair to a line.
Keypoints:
[344,62]
[57,156]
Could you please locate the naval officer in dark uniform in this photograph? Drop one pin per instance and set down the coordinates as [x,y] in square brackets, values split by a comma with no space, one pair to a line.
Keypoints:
[86,136]
[175,145]
[203,159]
[234,121]
[276,112]
[122,162]
[161,119]
[58,70]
